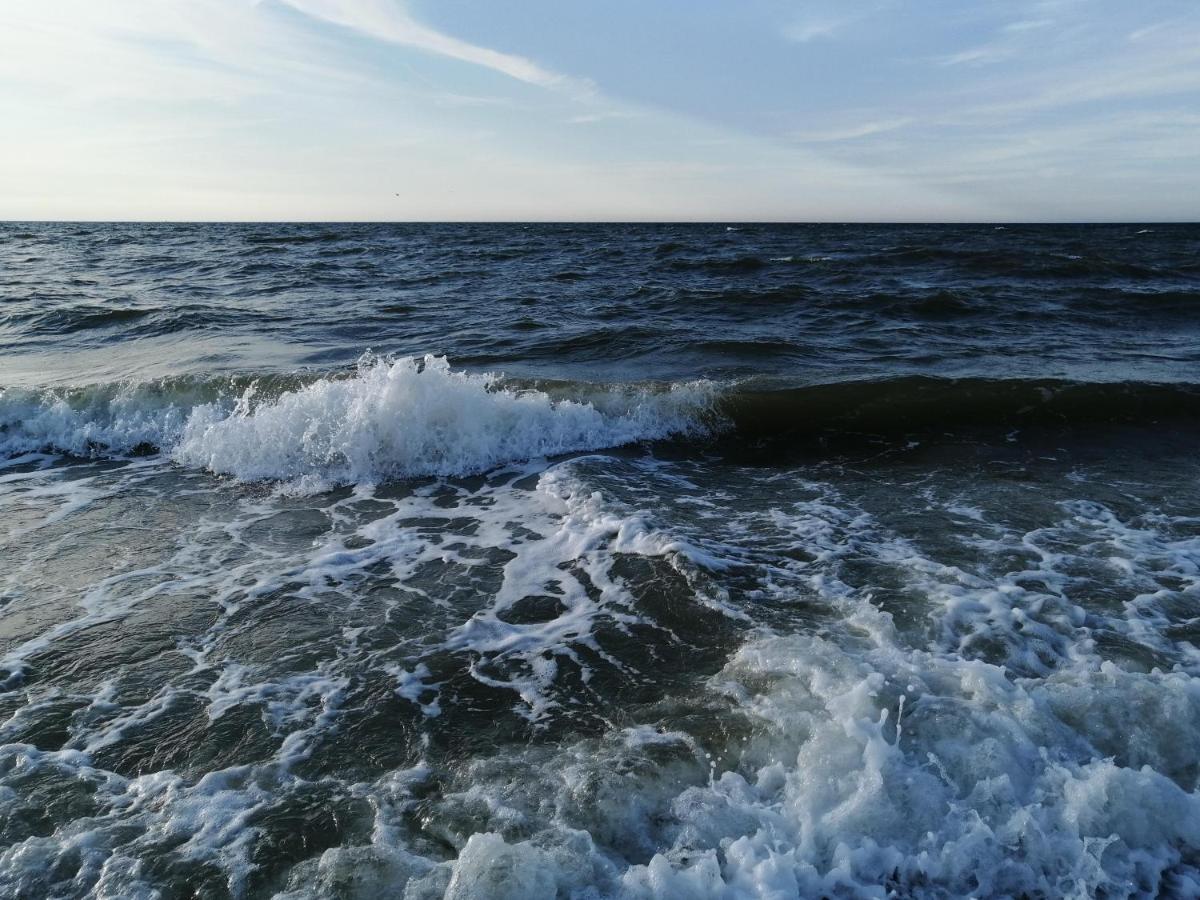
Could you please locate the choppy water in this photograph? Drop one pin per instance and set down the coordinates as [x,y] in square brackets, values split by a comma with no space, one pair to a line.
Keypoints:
[599,561]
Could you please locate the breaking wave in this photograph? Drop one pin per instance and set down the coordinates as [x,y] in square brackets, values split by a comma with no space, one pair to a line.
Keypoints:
[416,416]
[402,418]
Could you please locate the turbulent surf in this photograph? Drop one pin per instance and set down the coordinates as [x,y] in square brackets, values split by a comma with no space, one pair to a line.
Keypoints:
[599,561]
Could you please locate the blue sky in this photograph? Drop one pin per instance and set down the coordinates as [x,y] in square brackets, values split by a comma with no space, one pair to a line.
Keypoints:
[552,109]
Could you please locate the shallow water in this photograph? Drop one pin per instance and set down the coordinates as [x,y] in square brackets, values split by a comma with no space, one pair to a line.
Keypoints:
[772,561]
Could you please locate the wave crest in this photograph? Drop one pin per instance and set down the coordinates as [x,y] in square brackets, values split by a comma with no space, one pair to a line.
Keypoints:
[414,417]
[392,418]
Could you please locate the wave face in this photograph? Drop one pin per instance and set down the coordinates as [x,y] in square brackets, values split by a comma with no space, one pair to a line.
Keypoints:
[391,419]
[917,404]
[701,561]
[417,417]
[413,417]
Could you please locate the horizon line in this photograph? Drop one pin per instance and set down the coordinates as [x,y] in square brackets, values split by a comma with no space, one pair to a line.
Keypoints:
[598,221]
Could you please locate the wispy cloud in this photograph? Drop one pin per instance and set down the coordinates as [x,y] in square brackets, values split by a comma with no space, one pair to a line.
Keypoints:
[1027,25]
[603,116]
[827,20]
[272,108]
[978,56]
[389,21]
[200,51]
[851,132]
[1013,38]
[812,28]
[1167,71]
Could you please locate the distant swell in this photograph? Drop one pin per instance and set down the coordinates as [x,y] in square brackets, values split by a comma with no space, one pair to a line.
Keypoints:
[916,403]
[416,417]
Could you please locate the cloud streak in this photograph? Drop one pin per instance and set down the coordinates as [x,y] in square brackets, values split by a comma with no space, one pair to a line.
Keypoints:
[388,21]
[356,109]
[852,132]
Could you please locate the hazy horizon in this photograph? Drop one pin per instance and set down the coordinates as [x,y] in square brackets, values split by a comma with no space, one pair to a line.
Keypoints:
[897,222]
[389,111]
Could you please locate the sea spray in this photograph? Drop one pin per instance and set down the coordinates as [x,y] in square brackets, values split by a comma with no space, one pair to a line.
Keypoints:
[413,417]
[390,418]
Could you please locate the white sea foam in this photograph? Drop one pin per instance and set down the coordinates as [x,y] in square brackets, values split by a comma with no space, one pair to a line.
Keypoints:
[868,767]
[417,417]
[873,765]
[981,746]
[406,417]
[85,421]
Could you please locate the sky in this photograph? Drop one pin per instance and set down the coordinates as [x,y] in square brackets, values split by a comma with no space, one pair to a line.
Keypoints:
[831,110]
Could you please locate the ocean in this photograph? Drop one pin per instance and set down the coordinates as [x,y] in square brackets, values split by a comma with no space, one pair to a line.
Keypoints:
[531,561]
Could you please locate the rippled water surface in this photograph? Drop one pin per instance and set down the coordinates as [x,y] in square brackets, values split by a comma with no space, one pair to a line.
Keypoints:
[599,561]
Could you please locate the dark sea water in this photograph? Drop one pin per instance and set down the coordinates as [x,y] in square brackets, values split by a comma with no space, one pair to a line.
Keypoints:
[523,561]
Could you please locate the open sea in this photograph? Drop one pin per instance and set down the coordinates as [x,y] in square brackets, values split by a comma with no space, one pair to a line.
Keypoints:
[591,561]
